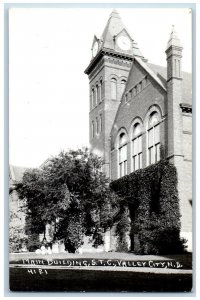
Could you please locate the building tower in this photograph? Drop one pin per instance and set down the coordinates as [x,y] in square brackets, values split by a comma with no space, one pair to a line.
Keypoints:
[108,71]
[179,132]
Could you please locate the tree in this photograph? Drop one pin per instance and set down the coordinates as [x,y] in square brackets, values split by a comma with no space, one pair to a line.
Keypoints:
[72,188]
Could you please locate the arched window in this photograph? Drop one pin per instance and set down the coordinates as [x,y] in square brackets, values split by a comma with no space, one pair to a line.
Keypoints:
[100,90]
[97,125]
[113,88]
[122,154]
[100,123]
[92,129]
[97,94]
[153,138]
[123,84]
[137,147]
[93,98]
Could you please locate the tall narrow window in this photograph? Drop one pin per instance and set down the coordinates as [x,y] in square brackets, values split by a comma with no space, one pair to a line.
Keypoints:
[122,155]
[100,123]
[146,81]
[93,96]
[113,88]
[97,125]
[123,84]
[130,94]
[154,138]
[92,129]
[97,94]
[100,90]
[137,147]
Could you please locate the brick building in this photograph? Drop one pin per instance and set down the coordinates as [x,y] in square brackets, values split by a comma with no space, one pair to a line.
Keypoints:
[140,112]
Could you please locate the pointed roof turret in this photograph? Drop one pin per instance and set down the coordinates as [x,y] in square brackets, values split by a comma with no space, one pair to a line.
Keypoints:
[115,41]
[113,30]
[113,27]
[174,39]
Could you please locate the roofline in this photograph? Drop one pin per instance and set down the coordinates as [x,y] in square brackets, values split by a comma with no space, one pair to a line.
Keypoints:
[151,73]
[106,51]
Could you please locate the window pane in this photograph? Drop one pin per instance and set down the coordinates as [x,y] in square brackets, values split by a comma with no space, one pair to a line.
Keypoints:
[123,153]
[93,98]
[122,139]
[135,146]
[121,170]
[157,134]
[139,87]
[129,94]
[97,94]
[135,162]
[125,167]
[140,144]
[100,123]
[153,119]
[100,91]
[157,152]
[92,129]
[151,155]
[150,138]
[137,129]
[123,84]
[113,88]
[97,126]
[140,161]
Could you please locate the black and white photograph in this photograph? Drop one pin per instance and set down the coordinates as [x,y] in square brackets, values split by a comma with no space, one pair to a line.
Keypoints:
[100,149]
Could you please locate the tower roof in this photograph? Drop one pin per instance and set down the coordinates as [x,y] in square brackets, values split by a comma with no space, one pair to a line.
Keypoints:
[174,39]
[115,27]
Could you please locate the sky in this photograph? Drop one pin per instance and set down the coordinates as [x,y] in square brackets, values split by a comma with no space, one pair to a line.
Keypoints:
[49,49]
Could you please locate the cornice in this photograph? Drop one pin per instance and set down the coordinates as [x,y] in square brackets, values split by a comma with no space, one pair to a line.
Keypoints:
[107,52]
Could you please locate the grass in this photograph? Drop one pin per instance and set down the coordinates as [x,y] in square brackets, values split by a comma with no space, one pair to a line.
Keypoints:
[70,280]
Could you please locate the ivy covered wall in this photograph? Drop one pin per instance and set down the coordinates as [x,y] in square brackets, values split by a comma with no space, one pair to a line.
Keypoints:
[151,199]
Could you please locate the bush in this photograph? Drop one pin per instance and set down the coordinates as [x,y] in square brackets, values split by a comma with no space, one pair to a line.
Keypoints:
[33,242]
[121,231]
[152,198]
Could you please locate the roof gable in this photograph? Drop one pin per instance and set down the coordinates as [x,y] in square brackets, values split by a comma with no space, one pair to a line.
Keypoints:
[151,73]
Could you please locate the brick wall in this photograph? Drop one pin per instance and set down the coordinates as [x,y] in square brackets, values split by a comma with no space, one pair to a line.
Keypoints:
[137,106]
